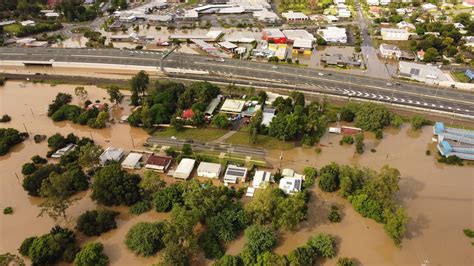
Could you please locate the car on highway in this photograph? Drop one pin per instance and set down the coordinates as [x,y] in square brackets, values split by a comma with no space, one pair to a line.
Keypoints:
[320,74]
[51,60]
[274,67]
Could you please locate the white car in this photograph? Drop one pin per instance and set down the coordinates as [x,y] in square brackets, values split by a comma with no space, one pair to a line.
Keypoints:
[321,74]
[51,60]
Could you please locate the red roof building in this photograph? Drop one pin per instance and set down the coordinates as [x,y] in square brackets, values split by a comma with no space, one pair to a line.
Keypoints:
[188,114]
[54,3]
[274,35]
[158,163]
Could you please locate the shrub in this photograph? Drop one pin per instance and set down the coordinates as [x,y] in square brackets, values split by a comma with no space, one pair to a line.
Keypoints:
[145,239]
[345,261]
[25,246]
[347,140]
[324,245]
[39,138]
[258,239]
[39,160]
[418,121]
[469,233]
[328,182]
[379,134]
[8,210]
[428,152]
[96,222]
[5,118]
[334,215]
[212,249]
[91,254]
[302,256]
[140,207]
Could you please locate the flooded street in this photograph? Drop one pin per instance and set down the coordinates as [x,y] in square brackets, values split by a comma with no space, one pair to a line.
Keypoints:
[439,198]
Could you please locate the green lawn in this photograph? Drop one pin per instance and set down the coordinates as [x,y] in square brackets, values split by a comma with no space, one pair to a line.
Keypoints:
[12,28]
[459,76]
[201,134]
[266,142]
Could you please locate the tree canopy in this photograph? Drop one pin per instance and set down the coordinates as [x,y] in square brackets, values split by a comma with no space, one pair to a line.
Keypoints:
[96,222]
[91,253]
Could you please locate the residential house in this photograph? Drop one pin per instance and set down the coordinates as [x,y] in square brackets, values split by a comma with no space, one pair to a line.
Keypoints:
[158,163]
[390,51]
[391,34]
[429,7]
[294,16]
[111,154]
[406,25]
[132,161]
[375,11]
[235,173]
[268,114]
[385,2]
[262,179]
[26,23]
[232,106]
[184,169]
[209,170]
[373,2]
[63,151]
[291,185]
[421,72]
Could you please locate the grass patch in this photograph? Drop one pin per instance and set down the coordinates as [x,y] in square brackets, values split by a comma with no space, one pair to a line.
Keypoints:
[459,76]
[266,142]
[201,134]
[12,29]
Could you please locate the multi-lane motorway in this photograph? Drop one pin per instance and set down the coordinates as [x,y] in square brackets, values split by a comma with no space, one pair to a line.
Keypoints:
[336,83]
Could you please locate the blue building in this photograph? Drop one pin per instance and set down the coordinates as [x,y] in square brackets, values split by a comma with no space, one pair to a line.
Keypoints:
[469,74]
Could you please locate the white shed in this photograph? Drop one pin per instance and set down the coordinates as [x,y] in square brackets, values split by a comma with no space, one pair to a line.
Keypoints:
[132,161]
[209,170]
[184,169]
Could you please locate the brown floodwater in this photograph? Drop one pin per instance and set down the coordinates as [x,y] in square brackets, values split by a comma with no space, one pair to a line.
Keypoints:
[439,198]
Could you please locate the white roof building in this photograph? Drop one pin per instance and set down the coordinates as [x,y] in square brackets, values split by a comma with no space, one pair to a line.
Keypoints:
[132,161]
[191,14]
[52,15]
[384,2]
[250,192]
[429,7]
[334,34]
[373,2]
[268,114]
[235,173]
[111,154]
[303,44]
[343,13]
[227,45]
[209,170]
[390,34]
[27,23]
[262,179]
[294,16]
[184,169]
[406,25]
[266,16]
[63,151]
[232,106]
[291,185]
[292,35]
[390,51]
[421,72]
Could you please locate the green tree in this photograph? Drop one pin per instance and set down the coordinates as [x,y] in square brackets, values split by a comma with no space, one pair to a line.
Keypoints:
[229,260]
[431,55]
[32,182]
[302,256]
[359,143]
[96,222]
[345,261]
[11,259]
[28,168]
[151,182]
[328,182]
[81,92]
[268,258]
[91,254]
[114,186]
[221,121]
[324,245]
[145,239]
[24,249]
[258,239]
[395,225]
[418,121]
[371,116]
[89,155]
[115,96]
[140,82]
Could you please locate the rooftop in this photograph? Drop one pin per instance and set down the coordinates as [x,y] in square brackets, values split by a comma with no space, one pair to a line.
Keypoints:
[233,106]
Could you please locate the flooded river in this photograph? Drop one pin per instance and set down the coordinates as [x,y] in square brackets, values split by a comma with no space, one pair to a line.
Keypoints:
[439,198]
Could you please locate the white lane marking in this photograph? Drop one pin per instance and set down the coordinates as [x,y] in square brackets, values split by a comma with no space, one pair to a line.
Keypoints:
[410,101]
[402,100]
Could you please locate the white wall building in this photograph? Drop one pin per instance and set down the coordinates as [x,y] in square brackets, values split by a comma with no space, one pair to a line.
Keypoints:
[373,2]
[132,161]
[262,179]
[391,34]
[294,16]
[390,51]
[235,173]
[290,185]
[111,154]
[334,34]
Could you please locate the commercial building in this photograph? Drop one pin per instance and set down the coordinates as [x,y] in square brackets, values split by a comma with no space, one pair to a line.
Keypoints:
[111,154]
[333,34]
[158,163]
[454,141]
[184,169]
[292,35]
[294,16]
[421,72]
[391,34]
[262,179]
[232,106]
[304,46]
[266,16]
[209,170]
[274,35]
[228,46]
[235,173]
[339,60]
[390,51]
[132,161]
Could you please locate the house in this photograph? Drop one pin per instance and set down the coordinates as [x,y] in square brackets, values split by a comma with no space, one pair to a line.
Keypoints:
[294,16]
[268,114]
[385,2]
[391,34]
[406,25]
[421,72]
[232,106]
[111,154]
[343,13]
[29,23]
[63,151]
[429,7]
[262,179]
[212,106]
[302,46]
[158,163]
[373,2]
[401,11]
[209,170]
[469,3]
[273,35]
[235,173]
[334,34]
[375,11]
[51,15]
[390,51]
[132,161]
[459,26]
[331,18]
[336,2]
[184,169]
[190,14]
[98,106]
[469,74]
[187,114]
[290,185]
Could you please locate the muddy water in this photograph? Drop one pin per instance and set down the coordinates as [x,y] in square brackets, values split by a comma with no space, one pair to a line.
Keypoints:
[439,198]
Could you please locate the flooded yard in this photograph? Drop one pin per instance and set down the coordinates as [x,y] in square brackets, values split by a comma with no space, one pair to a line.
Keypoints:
[439,198]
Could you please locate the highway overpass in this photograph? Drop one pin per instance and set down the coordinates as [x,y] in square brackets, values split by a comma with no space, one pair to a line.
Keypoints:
[321,81]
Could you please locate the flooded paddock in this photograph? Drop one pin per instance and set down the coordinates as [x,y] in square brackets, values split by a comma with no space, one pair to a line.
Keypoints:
[439,198]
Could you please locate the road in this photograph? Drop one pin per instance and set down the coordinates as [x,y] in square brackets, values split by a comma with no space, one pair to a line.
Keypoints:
[337,83]
[210,146]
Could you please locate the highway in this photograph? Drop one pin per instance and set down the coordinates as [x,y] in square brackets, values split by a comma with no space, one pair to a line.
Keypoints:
[322,81]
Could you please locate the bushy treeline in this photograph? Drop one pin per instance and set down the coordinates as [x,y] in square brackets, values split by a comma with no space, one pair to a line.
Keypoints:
[9,137]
